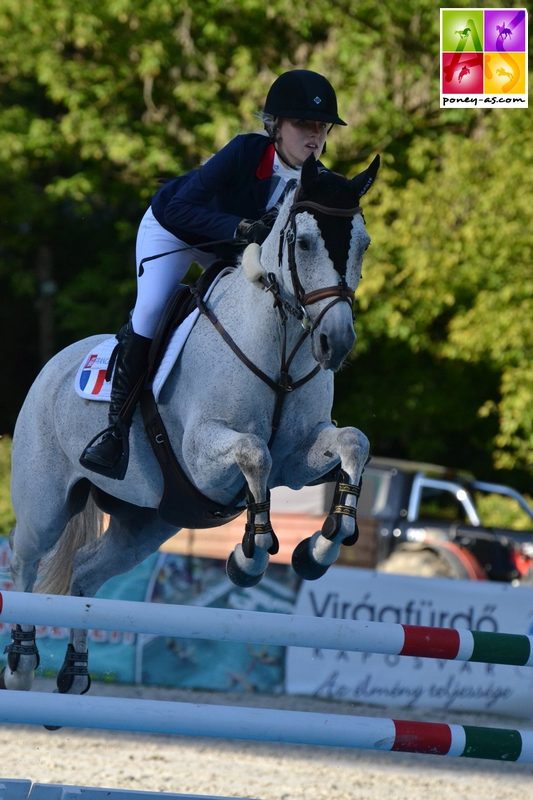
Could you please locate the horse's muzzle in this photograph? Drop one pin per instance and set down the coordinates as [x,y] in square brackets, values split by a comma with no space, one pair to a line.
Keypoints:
[332,344]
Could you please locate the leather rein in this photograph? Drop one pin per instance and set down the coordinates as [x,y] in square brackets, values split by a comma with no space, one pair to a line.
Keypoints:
[341,293]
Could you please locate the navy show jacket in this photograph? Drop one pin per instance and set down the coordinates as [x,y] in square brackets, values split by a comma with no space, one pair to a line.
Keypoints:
[208,203]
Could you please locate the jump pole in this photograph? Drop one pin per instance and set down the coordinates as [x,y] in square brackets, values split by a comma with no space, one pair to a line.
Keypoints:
[262,627]
[265,725]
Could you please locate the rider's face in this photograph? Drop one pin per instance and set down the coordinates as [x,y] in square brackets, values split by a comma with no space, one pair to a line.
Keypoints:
[298,138]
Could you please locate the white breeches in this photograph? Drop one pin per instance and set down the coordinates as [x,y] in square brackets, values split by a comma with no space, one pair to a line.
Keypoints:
[161,276]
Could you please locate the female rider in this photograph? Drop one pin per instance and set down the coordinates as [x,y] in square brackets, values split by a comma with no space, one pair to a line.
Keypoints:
[228,198]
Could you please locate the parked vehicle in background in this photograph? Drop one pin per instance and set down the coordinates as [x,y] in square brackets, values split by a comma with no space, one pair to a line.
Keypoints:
[430,520]
[414,518]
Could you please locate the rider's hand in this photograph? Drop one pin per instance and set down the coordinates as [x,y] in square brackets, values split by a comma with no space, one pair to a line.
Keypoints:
[249,230]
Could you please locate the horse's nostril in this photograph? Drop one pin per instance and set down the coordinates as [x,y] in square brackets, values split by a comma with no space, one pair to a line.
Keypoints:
[324,344]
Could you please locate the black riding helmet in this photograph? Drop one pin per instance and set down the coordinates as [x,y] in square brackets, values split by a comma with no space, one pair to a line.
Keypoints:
[303,94]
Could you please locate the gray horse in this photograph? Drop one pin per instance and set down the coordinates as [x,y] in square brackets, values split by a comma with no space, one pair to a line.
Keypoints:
[247,407]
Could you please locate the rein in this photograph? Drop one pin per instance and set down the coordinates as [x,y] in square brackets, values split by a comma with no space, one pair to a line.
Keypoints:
[341,293]
[200,246]
[285,383]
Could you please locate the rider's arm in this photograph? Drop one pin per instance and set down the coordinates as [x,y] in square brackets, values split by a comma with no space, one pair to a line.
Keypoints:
[190,210]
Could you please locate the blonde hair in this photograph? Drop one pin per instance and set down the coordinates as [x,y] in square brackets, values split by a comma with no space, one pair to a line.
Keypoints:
[270,124]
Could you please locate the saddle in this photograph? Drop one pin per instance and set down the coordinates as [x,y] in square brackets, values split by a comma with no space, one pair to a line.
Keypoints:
[178,308]
[182,504]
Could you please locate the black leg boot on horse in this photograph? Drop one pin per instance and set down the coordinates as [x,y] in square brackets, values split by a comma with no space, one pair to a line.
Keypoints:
[129,363]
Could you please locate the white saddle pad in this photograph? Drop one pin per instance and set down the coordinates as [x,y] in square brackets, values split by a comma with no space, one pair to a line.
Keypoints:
[90,382]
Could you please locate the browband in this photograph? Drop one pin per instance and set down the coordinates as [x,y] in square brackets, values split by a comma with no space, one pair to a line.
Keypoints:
[303,205]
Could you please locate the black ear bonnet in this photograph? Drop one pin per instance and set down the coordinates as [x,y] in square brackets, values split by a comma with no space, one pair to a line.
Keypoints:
[319,185]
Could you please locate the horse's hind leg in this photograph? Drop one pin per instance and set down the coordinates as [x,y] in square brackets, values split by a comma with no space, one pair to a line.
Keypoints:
[133,534]
[22,653]
[22,659]
[35,534]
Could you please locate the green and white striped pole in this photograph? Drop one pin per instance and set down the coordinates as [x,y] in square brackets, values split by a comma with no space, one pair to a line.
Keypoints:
[262,627]
[265,725]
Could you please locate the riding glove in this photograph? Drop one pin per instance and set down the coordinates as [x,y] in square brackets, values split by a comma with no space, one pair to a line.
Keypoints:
[250,230]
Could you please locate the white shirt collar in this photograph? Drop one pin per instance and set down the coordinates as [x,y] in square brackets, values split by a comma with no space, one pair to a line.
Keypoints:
[283,171]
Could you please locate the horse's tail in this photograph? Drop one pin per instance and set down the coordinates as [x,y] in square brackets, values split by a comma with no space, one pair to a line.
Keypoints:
[55,571]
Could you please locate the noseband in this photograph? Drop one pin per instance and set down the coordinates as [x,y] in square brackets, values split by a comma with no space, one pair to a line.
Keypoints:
[288,234]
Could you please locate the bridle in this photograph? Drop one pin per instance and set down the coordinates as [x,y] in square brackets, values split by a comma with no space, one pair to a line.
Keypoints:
[341,291]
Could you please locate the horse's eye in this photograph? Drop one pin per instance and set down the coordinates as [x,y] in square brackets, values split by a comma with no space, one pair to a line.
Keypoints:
[303,243]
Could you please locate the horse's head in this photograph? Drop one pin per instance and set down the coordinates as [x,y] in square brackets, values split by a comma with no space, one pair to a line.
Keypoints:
[322,239]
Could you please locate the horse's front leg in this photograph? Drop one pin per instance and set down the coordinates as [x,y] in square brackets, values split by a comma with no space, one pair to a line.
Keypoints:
[226,448]
[247,564]
[314,555]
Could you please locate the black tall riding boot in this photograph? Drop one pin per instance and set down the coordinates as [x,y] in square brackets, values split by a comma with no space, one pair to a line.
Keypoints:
[110,455]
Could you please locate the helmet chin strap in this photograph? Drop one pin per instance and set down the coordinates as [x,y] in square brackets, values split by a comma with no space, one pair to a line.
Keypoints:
[285,159]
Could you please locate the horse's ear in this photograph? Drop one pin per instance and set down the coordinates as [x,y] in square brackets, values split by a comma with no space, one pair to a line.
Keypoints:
[309,172]
[362,182]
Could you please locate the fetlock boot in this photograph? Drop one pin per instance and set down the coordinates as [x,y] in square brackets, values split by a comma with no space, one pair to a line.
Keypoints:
[110,455]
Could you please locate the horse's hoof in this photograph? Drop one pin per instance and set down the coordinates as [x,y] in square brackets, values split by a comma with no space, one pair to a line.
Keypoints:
[63,689]
[238,576]
[58,691]
[304,564]
[17,681]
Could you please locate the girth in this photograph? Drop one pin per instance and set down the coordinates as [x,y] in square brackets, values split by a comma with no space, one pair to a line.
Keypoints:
[182,504]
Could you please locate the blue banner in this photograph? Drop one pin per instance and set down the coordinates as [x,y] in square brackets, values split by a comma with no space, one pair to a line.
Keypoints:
[119,657]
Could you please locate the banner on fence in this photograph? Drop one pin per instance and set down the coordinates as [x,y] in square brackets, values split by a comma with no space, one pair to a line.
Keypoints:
[409,682]
[394,681]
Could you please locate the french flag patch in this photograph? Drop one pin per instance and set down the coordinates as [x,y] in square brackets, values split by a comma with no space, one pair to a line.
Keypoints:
[91,381]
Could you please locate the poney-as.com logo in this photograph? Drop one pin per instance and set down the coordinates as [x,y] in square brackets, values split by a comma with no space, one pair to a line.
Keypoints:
[483,58]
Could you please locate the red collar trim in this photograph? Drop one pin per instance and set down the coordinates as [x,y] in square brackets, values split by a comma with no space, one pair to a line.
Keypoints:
[264,170]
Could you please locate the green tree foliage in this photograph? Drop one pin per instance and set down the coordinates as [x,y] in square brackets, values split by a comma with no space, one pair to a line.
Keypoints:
[7,516]
[447,295]
[102,98]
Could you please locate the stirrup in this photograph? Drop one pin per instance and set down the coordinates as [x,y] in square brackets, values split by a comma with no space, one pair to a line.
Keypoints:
[117,469]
